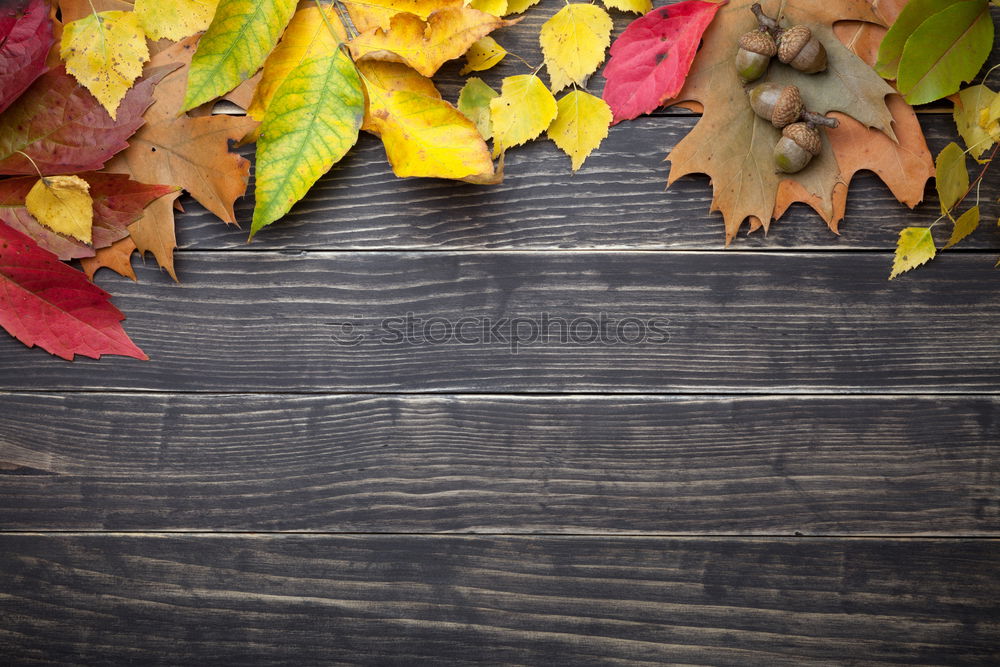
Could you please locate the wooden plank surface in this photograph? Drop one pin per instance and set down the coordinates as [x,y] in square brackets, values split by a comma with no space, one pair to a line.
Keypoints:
[734,322]
[500,464]
[406,600]
[617,200]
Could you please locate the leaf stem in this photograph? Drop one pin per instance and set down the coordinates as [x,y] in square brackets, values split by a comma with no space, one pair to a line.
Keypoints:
[32,164]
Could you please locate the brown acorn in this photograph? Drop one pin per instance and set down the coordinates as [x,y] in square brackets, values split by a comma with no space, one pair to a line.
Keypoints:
[799,48]
[778,104]
[757,47]
[799,143]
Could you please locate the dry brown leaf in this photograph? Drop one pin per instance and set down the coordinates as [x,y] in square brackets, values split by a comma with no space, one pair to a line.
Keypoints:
[117,257]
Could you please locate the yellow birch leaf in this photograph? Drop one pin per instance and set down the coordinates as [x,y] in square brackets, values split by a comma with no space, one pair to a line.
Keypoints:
[425,45]
[637,6]
[519,6]
[973,105]
[482,55]
[307,36]
[965,225]
[951,177]
[495,7]
[523,111]
[914,247]
[580,126]
[234,47]
[368,14]
[573,43]
[63,204]
[174,19]
[423,135]
[474,102]
[105,53]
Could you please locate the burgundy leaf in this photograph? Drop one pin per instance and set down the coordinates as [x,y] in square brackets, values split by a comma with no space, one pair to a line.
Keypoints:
[25,40]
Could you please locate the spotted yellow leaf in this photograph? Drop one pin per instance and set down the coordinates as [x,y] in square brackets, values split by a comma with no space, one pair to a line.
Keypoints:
[573,43]
[423,135]
[474,102]
[105,52]
[425,45]
[174,19]
[914,247]
[637,6]
[495,7]
[482,55]
[580,126]
[523,111]
[234,47]
[311,122]
[64,205]
[368,14]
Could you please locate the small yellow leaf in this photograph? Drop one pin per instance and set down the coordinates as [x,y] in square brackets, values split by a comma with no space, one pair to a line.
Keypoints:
[965,225]
[523,111]
[482,55]
[951,176]
[423,135]
[495,7]
[174,19]
[573,43]
[637,6]
[425,45]
[474,102]
[580,126]
[519,6]
[368,14]
[105,53]
[915,247]
[63,204]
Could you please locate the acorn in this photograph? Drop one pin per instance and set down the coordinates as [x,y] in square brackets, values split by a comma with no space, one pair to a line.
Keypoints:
[778,104]
[799,48]
[757,47]
[799,143]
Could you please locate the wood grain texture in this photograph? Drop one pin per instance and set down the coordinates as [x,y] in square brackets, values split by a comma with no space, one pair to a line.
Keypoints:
[501,464]
[617,200]
[411,600]
[734,323]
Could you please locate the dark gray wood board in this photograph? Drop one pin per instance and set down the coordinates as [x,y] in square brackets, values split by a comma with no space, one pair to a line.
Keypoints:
[867,465]
[733,322]
[618,199]
[408,600]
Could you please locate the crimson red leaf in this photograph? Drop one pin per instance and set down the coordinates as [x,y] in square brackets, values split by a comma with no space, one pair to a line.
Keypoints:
[46,303]
[25,40]
[650,60]
[65,129]
[118,202]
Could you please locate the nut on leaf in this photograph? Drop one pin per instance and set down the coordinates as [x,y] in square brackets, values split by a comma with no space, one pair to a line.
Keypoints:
[799,48]
[756,49]
[799,143]
[778,104]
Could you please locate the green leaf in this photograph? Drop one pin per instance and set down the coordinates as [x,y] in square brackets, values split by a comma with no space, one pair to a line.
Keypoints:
[952,178]
[234,47]
[945,50]
[915,247]
[965,225]
[967,118]
[474,102]
[913,14]
[312,121]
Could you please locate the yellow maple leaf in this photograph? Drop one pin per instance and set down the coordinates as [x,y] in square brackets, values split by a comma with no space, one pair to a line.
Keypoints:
[523,111]
[637,6]
[105,53]
[425,45]
[573,43]
[174,19]
[423,135]
[482,55]
[63,204]
[580,126]
[368,14]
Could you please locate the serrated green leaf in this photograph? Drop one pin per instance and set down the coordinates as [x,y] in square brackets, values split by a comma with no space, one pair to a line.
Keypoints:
[234,47]
[945,50]
[972,102]
[474,102]
[914,13]
[951,176]
[965,225]
[914,247]
[312,121]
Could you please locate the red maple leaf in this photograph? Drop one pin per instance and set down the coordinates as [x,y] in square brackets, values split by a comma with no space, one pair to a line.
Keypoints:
[25,40]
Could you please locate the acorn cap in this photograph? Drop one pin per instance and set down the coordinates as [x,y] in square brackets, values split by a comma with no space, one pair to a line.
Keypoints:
[805,135]
[792,41]
[759,42]
[788,108]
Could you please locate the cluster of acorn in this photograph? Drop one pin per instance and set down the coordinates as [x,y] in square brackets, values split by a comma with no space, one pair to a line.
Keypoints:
[782,105]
